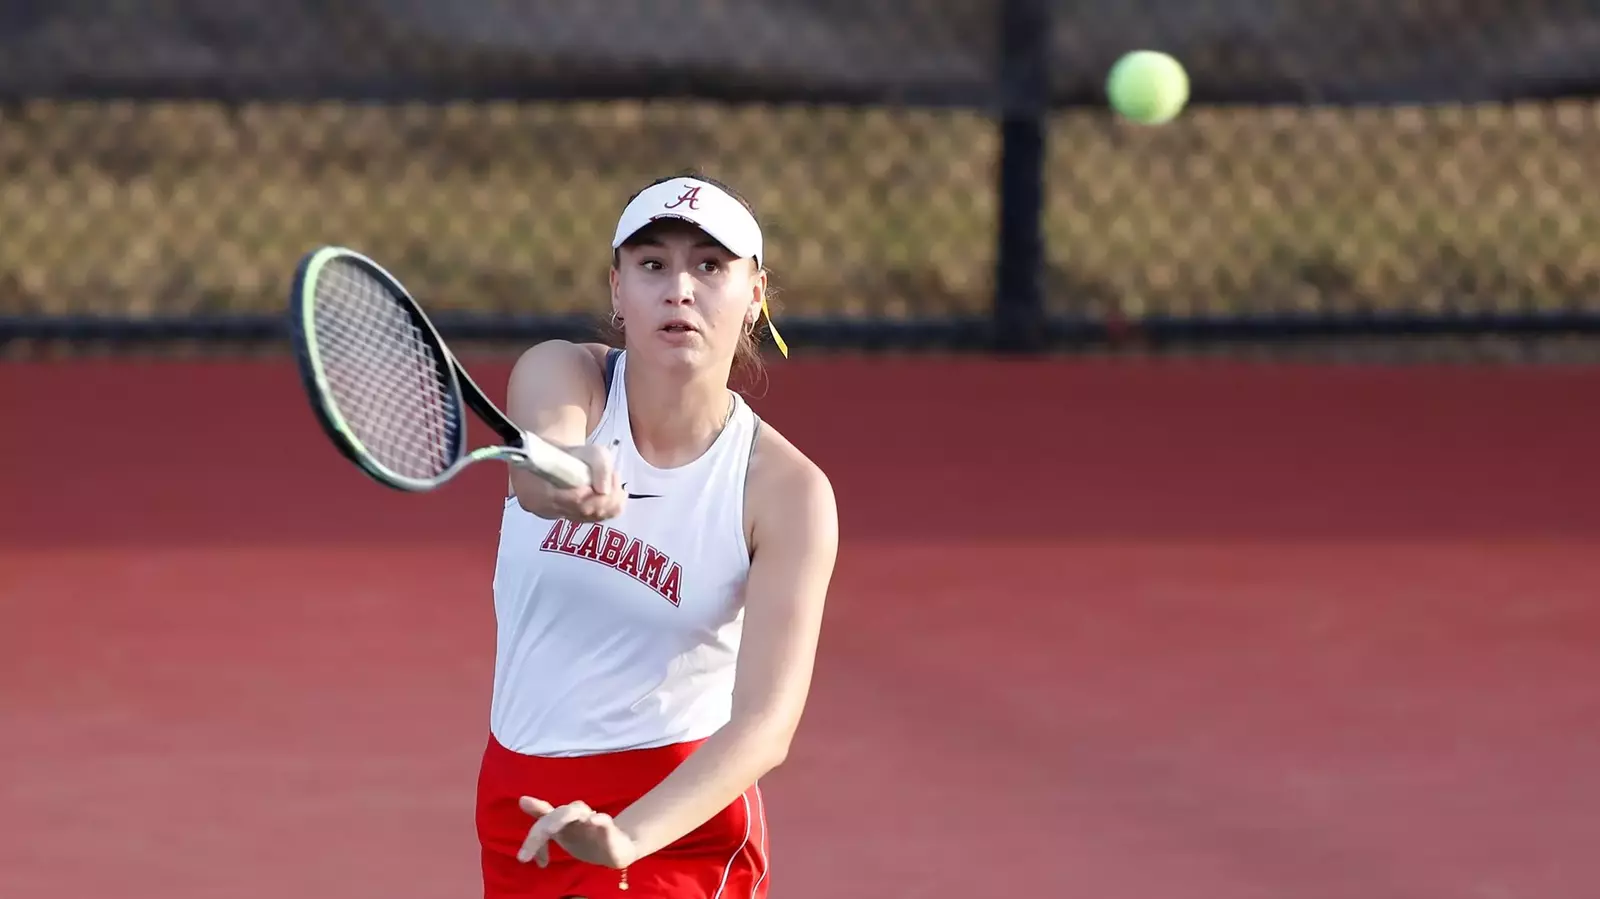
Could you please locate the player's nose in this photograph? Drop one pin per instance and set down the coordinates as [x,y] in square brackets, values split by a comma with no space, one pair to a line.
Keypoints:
[680,289]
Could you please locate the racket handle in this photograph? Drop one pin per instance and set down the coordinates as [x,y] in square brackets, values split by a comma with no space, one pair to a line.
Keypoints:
[553,464]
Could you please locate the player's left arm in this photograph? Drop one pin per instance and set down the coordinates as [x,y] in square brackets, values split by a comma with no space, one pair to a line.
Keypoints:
[794,541]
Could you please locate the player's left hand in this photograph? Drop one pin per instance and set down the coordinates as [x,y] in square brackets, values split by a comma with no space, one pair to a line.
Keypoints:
[587,835]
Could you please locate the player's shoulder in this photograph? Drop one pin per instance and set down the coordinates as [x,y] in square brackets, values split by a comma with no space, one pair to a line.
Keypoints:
[597,353]
[558,373]
[784,481]
[562,359]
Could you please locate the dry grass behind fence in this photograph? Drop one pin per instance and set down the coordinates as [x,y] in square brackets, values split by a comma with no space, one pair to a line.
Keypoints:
[144,208]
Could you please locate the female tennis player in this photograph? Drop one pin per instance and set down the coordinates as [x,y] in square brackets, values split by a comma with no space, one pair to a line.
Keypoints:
[655,629]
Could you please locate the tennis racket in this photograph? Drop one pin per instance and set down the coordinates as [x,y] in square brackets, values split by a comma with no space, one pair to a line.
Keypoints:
[385,388]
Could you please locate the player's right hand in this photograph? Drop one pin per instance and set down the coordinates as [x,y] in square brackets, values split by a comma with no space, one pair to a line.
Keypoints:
[601,499]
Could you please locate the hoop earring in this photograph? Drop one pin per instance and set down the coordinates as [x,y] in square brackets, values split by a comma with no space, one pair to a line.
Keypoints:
[616,320]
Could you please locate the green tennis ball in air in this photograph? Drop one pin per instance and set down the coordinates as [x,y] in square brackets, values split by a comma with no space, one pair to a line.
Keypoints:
[1148,87]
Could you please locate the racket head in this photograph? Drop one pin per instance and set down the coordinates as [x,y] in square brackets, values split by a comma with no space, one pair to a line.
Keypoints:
[381,382]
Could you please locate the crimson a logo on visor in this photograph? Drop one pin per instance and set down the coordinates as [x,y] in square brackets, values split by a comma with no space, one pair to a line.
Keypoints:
[690,196]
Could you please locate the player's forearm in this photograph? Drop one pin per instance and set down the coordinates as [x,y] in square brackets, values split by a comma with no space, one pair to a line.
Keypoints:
[711,778]
[548,396]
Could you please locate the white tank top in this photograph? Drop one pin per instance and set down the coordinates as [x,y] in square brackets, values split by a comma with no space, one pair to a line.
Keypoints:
[623,634]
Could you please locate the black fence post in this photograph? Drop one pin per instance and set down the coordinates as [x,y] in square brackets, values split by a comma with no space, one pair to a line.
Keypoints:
[1019,313]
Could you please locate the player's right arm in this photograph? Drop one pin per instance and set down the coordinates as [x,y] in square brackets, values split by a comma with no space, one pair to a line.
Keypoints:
[556,391]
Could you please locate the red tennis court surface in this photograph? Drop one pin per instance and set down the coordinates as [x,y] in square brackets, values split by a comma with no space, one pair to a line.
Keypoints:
[1175,630]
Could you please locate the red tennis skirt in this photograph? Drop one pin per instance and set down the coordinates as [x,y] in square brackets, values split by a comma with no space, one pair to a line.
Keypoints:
[725,858]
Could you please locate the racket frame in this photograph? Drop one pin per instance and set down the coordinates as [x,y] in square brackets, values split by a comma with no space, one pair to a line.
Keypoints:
[521,448]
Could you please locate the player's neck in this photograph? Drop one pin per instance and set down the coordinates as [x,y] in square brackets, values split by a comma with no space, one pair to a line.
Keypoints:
[675,418]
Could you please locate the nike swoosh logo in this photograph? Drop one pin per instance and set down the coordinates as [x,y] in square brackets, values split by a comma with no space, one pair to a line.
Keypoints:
[641,495]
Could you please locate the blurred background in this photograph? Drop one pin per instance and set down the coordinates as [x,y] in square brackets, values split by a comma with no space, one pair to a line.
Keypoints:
[1219,499]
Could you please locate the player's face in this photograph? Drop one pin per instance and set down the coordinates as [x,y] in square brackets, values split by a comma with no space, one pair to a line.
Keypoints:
[682,296]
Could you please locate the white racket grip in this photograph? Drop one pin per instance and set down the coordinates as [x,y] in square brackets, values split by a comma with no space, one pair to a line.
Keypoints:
[553,463]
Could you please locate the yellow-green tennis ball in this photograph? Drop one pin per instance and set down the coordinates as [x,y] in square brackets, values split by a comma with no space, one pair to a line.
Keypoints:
[1148,87]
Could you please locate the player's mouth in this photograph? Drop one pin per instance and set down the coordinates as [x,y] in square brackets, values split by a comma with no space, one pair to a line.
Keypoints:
[679,326]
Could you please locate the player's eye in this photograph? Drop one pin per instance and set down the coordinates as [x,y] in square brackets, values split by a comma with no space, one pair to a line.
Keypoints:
[711,266]
[651,264]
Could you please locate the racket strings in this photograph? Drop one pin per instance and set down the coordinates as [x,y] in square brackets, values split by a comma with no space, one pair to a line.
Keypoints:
[384,377]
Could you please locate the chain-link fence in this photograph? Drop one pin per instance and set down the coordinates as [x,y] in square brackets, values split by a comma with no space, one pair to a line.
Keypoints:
[171,161]
[502,207]
[1445,210]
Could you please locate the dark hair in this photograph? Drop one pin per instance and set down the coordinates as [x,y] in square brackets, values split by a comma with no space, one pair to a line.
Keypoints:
[747,357]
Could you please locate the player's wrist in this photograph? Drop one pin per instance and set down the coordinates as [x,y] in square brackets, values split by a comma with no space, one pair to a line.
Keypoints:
[635,840]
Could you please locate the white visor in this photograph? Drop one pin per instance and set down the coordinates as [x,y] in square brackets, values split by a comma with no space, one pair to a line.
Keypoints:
[705,205]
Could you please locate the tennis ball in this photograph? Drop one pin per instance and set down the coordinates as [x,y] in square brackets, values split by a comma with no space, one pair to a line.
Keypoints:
[1148,87]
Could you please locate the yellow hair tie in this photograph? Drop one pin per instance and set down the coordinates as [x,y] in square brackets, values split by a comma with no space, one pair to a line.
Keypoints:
[772,326]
